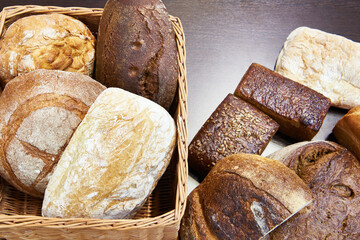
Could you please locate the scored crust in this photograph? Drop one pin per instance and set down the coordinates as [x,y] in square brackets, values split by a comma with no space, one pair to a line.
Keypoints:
[46,41]
[39,112]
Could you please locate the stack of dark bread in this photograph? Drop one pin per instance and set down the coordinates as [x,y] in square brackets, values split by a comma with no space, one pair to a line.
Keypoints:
[307,190]
[90,147]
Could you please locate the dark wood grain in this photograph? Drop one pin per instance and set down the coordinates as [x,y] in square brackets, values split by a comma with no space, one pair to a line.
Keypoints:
[224,37]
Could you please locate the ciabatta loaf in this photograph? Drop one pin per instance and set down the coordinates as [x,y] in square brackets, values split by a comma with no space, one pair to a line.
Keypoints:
[325,62]
[114,159]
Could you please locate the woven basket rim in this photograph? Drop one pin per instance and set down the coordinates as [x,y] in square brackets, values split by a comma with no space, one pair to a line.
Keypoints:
[172,217]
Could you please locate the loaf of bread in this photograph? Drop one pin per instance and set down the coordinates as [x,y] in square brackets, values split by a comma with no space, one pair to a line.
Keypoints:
[243,197]
[114,159]
[325,62]
[2,188]
[234,127]
[333,175]
[46,41]
[299,110]
[347,131]
[39,111]
[136,49]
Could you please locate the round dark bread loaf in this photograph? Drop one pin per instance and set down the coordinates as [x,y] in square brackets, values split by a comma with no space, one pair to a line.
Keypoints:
[39,111]
[136,50]
[333,175]
[243,197]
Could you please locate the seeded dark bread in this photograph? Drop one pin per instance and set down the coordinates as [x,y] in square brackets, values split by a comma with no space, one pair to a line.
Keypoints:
[333,175]
[234,127]
[299,110]
[243,197]
[136,49]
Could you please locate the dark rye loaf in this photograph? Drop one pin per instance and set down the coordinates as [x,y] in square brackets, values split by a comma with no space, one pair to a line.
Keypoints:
[234,127]
[333,175]
[299,110]
[136,50]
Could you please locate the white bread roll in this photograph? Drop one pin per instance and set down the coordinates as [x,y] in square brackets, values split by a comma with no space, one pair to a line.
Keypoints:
[327,63]
[114,159]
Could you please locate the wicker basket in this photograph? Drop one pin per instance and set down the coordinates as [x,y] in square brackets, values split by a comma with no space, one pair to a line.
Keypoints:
[20,214]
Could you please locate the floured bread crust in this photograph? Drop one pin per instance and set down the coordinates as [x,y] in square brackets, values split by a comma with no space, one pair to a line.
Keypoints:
[48,41]
[114,159]
[325,62]
[39,111]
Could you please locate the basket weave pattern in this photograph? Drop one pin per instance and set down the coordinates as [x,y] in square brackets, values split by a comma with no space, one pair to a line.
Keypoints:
[159,218]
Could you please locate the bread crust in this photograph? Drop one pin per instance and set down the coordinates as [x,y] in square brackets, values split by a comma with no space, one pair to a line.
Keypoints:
[46,41]
[332,174]
[243,197]
[347,131]
[325,62]
[136,50]
[299,110]
[38,113]
[234,127]
[114,159]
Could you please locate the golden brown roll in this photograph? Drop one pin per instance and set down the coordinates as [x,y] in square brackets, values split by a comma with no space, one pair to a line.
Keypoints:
[347,131]
[46,41]
[325,62]
[39,111]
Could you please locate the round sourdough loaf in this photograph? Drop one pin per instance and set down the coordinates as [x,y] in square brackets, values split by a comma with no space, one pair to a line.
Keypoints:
[39,112]
[333,175]
[46,41]
[136,49]
[243,197]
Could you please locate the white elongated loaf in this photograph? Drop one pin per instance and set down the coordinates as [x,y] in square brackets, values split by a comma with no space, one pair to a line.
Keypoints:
[325,62]
[114,159]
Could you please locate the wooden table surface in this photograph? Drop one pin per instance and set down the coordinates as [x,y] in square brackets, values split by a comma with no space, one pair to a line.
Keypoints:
[224,37]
